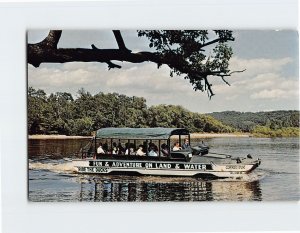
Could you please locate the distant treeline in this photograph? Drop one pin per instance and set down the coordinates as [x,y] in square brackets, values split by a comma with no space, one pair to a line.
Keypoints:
[252,122]
[60,113]
[265,131]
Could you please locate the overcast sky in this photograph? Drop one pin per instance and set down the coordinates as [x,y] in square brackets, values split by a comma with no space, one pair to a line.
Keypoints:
[270,82]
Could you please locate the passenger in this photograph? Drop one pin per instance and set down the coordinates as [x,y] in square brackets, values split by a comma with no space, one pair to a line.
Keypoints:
[140,151]
[186,144]
[114,148]
[152,150]
[152,146]
[129,148]
[100,149]
[132,146]
[152,153]
[132,152]
[164,149]
[176,147]
[105,146]
[126,148]
[121,149]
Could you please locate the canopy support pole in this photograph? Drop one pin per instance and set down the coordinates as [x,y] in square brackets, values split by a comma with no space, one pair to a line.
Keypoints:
[95,151]
[111,146]
[159,148]
[169,146]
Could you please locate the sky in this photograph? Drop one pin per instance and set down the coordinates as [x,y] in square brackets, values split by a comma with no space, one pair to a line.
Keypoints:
[270,82]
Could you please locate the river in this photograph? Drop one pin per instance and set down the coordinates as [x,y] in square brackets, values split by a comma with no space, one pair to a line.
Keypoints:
[51,177]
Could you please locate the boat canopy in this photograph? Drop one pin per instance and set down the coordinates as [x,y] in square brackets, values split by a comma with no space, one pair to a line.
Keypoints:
[140,133]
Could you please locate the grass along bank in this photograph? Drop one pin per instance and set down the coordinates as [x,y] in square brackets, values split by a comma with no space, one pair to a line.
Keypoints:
[267,132]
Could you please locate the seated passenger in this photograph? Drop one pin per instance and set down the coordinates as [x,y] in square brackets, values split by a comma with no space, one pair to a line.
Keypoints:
[121,149]
[186,144]
[152,146]
[126,148]
[114,149]
[176,147]
[152,150]
[131,150]
[164,149]
[105,146]
[100,149]
[152,153]
[140,151]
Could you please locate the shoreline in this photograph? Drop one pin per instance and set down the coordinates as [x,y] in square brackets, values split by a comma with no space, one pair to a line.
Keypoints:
[40,136]
[220,135]
[193,135]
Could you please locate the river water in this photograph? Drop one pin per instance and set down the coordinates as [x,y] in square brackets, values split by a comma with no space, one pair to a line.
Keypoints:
[51,178]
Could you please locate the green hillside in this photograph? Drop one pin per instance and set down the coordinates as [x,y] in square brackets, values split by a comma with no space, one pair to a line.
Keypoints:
[60,113]
[246,121]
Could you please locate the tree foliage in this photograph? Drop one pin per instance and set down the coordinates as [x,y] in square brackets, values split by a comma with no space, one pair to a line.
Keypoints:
[59,113]
[185,50]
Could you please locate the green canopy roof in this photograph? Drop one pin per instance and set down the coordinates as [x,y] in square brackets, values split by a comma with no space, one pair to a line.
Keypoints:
[140,133]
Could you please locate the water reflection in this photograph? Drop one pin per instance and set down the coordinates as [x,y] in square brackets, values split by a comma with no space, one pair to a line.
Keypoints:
[173,189]
[54,148]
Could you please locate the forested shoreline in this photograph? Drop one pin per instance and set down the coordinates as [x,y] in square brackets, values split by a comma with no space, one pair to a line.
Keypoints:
[61,113]
[262,124]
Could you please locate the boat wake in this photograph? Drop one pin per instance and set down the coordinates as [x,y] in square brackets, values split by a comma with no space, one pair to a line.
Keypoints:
[254,176]
[65,166]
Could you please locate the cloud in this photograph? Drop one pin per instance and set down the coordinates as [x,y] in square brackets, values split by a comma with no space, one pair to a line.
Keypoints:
[263,80]
[259,65]
[140,80]
[274,94]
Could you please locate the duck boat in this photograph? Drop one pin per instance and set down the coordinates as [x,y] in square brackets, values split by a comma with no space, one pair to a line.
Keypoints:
[150,151]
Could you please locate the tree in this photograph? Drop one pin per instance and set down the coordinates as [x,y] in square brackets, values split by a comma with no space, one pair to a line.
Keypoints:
[184,51]
[37,111]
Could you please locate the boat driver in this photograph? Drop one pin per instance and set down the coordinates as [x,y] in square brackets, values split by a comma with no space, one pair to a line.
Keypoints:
[186,144]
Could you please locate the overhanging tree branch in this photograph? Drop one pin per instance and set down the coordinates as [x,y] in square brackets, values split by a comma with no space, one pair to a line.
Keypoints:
[47,52]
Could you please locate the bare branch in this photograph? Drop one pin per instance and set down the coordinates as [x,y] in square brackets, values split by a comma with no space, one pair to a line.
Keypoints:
[226,75]
[120,41]
[225,81]
[113,65]
[109,63]
[236,71]
[208,88]
[215,41]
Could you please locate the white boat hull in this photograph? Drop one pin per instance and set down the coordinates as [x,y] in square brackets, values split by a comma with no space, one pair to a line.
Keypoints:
[163,168]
